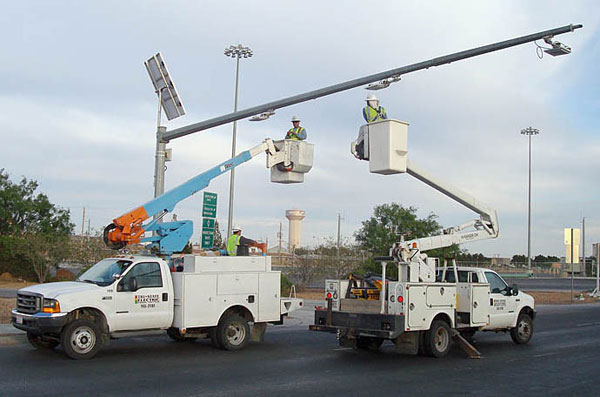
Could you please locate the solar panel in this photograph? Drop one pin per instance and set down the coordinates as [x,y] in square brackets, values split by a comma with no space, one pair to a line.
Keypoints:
[161,79]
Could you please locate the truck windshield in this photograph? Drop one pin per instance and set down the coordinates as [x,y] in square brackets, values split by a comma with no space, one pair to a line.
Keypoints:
[102,273]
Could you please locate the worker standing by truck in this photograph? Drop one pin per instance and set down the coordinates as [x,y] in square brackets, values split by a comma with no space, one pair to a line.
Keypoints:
[373,112]
[237,245]
[296,132]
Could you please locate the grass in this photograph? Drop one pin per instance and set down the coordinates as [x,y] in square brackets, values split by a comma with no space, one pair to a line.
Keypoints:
[6,305]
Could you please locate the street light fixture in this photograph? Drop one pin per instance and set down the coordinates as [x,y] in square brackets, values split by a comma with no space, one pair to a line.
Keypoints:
[529,131]
[236,52]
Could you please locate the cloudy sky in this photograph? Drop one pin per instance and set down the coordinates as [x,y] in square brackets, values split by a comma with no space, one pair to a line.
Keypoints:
[79,111]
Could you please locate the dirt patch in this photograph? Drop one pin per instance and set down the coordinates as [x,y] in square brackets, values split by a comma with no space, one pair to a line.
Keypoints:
[15,284]
[560,298]
[6,305]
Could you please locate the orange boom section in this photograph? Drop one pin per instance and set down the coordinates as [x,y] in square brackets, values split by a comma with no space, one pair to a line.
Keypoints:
[126,229]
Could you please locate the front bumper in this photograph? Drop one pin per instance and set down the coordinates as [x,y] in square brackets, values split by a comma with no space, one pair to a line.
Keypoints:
[38,323]
[385,326]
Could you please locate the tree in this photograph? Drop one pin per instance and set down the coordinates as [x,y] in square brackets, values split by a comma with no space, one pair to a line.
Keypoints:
[24,211]
[518,259]
[388,223]
[33,231]
[218,239]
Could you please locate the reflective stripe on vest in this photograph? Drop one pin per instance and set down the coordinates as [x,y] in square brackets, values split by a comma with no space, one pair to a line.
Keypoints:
[232,244]
[293,133]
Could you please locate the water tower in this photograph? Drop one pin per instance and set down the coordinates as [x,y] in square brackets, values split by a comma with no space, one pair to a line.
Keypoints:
[295,217]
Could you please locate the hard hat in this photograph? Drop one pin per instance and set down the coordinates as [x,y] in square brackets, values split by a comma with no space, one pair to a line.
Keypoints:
[372,97]
[236,228]
[295,118]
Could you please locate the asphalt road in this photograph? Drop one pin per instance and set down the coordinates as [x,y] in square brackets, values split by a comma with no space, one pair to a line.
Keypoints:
[562,359]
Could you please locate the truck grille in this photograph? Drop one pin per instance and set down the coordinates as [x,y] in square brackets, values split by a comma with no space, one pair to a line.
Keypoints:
[28,303]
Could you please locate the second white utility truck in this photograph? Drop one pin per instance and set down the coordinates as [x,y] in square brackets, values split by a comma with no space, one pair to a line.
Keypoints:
[429,305]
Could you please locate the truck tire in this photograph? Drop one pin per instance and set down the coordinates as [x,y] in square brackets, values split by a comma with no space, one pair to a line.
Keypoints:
[81,339]
[40,343]
[437,340]
[233,332]
[368,343]
[523,332]
[214,339]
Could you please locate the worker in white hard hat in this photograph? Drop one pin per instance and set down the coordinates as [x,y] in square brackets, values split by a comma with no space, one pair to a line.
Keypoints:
[237,245]
[296,132]
[373,112]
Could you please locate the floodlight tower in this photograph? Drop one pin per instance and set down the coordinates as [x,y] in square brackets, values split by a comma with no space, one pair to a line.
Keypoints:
[529,131]
[236,52]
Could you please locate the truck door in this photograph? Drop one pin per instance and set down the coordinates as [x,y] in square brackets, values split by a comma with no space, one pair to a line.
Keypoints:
[142,298]
[499,301]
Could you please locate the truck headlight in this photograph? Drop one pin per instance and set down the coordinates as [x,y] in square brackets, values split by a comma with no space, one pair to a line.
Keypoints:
[50,306]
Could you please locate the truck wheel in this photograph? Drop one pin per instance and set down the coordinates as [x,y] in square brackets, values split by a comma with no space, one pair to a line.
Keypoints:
[233,332]
[40,343]
[214,339]
[368,343]
[523,332]
[81,339]
[437,340]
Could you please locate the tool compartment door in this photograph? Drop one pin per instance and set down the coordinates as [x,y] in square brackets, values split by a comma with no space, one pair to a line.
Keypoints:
[416,306]
[480,295]
[269,304]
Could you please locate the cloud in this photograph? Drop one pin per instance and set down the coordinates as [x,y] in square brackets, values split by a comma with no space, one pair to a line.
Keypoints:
[80,113]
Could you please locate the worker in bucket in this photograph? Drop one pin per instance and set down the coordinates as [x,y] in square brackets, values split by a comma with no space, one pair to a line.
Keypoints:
[373,112]
[237,245]
[296,132]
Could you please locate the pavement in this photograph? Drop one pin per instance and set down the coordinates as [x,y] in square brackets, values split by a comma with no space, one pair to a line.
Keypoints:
[9,335]
[562,359]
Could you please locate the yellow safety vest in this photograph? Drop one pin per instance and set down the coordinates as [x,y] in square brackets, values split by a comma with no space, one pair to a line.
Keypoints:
[232,244]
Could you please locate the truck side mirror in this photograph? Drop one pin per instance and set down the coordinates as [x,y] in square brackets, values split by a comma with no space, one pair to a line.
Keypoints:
[515,289]
[133,286]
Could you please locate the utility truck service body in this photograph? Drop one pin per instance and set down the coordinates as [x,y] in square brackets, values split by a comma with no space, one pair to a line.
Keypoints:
[216,297]
[421,316]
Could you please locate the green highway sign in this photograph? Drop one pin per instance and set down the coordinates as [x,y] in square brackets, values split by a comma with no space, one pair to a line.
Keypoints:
[208,223]
[210,198]
[207,240]
[209,211]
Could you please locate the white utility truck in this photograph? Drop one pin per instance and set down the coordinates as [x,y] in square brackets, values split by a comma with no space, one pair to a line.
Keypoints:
[429,304]
[211,297]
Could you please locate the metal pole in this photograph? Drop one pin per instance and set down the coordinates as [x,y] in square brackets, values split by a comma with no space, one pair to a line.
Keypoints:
[338,236]
[382,294]
[159,158]
[529,215]
[233,143]
[583,269]
[242,114]
[597,269]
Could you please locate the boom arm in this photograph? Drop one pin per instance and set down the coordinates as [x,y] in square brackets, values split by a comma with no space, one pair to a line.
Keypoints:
[129,229]
[485,227]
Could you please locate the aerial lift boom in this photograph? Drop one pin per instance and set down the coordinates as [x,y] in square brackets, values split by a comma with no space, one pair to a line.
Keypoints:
[171,237]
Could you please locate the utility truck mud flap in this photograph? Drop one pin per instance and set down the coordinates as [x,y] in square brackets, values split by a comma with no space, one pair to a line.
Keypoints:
[385,326]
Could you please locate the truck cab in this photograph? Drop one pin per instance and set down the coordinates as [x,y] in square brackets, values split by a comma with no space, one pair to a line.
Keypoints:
[211,297]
